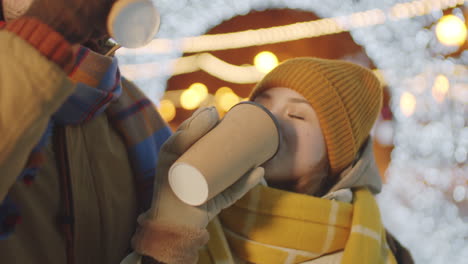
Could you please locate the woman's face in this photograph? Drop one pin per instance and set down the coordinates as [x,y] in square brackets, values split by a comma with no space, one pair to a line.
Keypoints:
[301,163]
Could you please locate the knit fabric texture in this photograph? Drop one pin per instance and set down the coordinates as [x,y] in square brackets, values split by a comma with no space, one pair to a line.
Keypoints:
[345,96]
[255,228]
[42,37]
[12,9]
[100,89]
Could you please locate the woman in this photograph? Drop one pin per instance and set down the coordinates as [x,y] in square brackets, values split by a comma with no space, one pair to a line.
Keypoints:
[318,206]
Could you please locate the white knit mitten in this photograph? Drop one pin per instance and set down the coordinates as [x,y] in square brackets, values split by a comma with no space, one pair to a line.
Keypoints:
[13,9]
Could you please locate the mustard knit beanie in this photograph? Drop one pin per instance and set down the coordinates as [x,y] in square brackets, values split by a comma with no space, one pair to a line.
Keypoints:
[346,97]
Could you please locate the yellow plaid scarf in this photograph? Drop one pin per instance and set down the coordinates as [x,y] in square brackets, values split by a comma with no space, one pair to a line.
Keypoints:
[273,226]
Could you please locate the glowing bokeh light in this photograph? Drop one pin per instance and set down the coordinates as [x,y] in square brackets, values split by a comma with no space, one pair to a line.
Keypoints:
[225,98]
[451,31]
[407,104]
[265,61]
[440,88]
[228,100]
[167,110]
[220,92]
[190,99]
[193,96]
[200,89]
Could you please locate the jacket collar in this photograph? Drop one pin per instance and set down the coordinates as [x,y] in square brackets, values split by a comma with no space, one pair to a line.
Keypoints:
[362,173]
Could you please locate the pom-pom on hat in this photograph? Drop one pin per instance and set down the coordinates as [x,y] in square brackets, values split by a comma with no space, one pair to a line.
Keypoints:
[13,9]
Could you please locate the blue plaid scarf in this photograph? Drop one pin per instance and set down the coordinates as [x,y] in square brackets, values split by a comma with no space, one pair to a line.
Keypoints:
[99,88]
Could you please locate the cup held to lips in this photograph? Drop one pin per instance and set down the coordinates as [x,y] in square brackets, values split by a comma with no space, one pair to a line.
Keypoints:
[247,137]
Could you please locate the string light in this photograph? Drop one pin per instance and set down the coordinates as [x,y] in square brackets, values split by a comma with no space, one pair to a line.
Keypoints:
[228,100]
[200,89]
[140,71]
[440,88]
[265,61]
[189,99]
[226,71]
[220,92]
[451,31]
[296,31]
[225,98]
[407,104]
[384,132]
[204,61]
[167,110]
[193,96]
[244,74]
[459,193]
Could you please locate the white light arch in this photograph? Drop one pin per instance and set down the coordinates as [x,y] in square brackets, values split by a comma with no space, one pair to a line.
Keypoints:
[422,203]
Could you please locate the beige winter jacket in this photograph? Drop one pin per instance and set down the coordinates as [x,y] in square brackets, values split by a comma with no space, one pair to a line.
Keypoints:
[31,89]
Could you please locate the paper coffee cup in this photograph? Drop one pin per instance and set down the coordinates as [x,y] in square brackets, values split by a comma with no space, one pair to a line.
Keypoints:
[247,137]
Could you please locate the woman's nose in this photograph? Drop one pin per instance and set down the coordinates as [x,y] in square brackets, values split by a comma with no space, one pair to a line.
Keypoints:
[273,110]
[277,114]
[280,120]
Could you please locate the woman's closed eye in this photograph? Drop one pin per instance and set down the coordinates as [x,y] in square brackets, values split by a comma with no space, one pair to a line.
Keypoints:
[296,116]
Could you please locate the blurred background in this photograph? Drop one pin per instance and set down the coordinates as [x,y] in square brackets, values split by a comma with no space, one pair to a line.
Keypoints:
[213,52]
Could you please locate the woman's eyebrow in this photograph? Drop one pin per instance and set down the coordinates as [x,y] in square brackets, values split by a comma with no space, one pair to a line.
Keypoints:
[299,101]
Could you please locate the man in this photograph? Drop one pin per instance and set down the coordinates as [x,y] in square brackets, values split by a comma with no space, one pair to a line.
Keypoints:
[79,143]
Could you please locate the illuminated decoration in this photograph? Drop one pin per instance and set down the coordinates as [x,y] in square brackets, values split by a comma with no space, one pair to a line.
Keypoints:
[222,69]
[203,61]
[220,93]
[193,96]
[167,110]
[228,100]
[384,133]
[265,61]
[451,30]
[459,193]
[407,104]
[265,36]
[424,198]
[225,98]
[210,64]
[440,88]
[200,89]
[316,28]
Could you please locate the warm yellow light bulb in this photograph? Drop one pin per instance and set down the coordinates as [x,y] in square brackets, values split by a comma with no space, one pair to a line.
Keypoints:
[220,92]
[407,104]
[167,110]
[190,99]
[451,31]
[228,100]
[265,61]
[193,96]
[440,88]
[200,89]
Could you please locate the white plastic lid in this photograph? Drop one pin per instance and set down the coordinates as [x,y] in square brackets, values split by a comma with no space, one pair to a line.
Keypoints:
[133,23]
[188,184]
